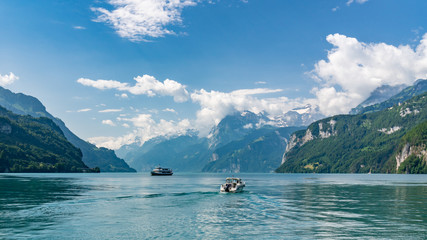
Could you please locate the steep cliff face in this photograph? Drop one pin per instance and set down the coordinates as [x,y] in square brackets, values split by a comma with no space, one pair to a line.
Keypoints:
[407,151]
[320,129]
[411,156]
[260,151]
[370,142]
[403,155]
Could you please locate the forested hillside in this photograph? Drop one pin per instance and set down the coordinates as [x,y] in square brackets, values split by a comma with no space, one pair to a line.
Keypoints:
[357,143]
[93,156]
[29,144]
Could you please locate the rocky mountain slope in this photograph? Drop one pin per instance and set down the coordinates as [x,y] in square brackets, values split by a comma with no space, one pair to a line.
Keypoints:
[259,151]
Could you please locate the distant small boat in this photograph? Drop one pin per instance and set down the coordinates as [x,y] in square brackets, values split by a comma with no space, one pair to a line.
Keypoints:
[232,185]
[159,171]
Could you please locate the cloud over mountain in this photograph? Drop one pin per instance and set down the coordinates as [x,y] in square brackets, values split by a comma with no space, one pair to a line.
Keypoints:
[145,128]
[350,72]
[354,69]
[8,79]
[215,105]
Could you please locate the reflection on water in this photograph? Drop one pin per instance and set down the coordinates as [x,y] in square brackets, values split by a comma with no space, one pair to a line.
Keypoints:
[273,206]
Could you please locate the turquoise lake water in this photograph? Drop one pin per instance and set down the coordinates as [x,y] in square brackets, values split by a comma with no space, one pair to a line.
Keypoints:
[189,206]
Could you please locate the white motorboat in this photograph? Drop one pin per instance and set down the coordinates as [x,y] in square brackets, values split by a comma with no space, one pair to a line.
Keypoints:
[232,185]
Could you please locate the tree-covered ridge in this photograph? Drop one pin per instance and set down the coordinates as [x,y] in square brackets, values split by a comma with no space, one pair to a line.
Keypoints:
[29,144]
[354,143]
[93,156]
[418,88]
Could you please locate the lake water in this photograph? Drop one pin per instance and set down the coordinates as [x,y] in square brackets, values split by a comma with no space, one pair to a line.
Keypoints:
[189,206]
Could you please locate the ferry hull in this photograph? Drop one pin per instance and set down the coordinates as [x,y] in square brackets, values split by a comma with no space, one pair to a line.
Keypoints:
[160,174]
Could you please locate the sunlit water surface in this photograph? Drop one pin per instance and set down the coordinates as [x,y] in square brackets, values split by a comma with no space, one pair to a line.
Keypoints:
[189,206]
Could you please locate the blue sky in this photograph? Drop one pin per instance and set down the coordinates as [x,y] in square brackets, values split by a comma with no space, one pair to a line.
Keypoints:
[117,72]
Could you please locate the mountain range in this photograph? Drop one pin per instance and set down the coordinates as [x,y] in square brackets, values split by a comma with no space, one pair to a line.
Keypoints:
[383,134]
[248,142]
[241,142]
[93,156]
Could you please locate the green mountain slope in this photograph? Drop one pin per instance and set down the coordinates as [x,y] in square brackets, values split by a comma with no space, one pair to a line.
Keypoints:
[418,88]
[93,156]
[29,144]
[354,143]
[260,151]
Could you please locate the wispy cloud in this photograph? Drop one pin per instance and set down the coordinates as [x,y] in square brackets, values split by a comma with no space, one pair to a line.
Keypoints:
[8,79]
[110,110]
[138,20]
[79,27]
[349,2]
[260,82]
[84,110]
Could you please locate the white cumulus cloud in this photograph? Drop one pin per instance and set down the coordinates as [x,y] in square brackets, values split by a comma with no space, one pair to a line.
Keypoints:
[354,69]
[169,110]
[145,85]
[145,128]
[138,20]
[8,79]
[149,85]
[108,122]
[103,84]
